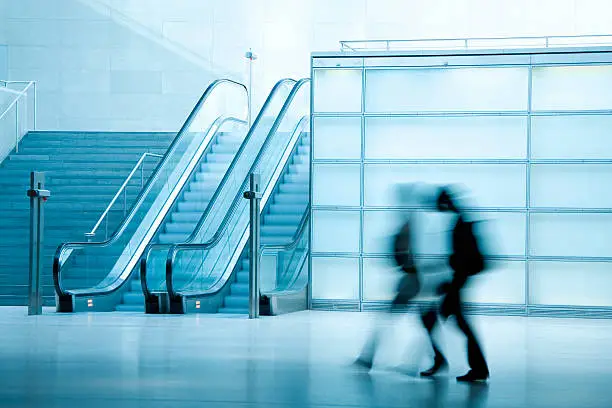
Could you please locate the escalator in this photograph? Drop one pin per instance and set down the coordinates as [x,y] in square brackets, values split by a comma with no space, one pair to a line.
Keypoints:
[208,272]
[94,276]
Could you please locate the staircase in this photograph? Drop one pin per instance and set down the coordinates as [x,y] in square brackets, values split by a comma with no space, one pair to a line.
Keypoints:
[83,171]
[183,218]
[279,223]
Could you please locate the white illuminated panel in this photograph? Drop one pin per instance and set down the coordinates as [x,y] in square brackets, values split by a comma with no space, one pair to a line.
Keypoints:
[571,235]
[380,279]
[337,90]
[337,138]
[483,185]
[336,231]
[335,278]
[447,90]
[572,88]
[570,283]
[336,184]
[446,137]
[572,136]
[504,282]
[577,186]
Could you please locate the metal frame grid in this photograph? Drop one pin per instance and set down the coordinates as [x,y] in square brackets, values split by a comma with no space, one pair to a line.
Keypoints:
[521,309]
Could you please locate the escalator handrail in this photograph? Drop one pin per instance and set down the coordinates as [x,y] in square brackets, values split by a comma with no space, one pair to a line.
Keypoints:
[224,224]
[218,235]
[57,265]
[226,176]
[294,240]
[147,252]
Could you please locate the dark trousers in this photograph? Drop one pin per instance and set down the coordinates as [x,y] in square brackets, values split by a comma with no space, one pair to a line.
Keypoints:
[451,305]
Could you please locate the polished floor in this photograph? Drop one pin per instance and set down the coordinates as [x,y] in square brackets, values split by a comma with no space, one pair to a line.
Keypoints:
[299,360]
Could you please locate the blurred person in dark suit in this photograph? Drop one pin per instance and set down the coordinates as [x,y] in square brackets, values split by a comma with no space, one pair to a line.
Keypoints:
[465,260]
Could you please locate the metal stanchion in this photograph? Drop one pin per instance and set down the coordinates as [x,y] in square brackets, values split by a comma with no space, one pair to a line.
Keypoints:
[38,195]
[254,196]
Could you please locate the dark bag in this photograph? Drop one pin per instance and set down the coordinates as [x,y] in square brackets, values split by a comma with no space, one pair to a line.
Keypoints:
[467,256]
[402,251]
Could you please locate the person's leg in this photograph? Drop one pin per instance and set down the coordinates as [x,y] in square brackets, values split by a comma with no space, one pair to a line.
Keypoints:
[429,318]
[476,360]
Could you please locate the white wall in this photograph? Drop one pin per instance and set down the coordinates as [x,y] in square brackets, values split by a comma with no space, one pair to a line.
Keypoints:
[140,64]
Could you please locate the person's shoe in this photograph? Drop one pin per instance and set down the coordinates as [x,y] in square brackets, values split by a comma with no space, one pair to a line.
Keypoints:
[472,376]
[439,365]
[363,364]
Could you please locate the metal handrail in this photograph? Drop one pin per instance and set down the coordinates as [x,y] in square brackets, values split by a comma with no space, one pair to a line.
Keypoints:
[58,260]
[122,189]
[550,41]
[20,94]
[294,240]
[174,249]
[222,183]
[66,247]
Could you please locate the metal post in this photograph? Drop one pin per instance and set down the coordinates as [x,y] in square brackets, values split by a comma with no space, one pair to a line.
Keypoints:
[35,103]
[254,196]
[38,195]
[17,126]
[251,56]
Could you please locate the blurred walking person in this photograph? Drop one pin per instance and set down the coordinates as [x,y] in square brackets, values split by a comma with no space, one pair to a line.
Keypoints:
[407,289]
[465,260]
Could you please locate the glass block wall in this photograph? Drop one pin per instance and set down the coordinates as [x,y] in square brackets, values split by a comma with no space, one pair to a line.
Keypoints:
[528,133]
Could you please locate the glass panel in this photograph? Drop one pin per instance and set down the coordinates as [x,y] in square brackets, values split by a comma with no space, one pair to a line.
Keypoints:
[379,228]
[337,90]
[448,137]
[571,235]
[574,185]
[380,279]
[483,185]
[573,136]
[446,90]
[336,184]
[504,282]
[336,231]
[570,283]
[572,88]
[335,278]
[337,138]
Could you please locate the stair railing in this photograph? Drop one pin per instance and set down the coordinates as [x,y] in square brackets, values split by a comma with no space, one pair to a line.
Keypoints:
[19,116]
[122,190]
